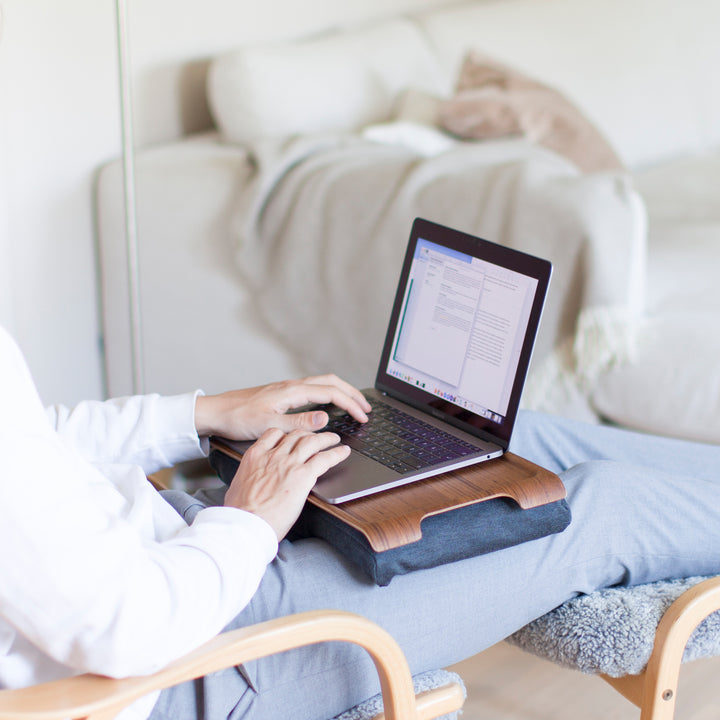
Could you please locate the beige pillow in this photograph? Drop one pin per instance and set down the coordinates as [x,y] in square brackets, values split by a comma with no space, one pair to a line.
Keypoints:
[494,101]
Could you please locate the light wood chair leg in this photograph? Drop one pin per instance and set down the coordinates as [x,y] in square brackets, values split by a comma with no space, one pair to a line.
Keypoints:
[655,690]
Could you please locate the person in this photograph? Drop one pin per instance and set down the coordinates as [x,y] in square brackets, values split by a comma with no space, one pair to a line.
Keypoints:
[101,574]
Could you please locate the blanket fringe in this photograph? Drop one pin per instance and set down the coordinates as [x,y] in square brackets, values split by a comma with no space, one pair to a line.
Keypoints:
[563,383]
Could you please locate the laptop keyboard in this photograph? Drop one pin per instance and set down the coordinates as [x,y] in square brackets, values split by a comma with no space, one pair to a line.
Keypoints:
[398,440]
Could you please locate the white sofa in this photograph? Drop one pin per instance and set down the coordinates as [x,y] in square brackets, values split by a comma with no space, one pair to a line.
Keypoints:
[270,246]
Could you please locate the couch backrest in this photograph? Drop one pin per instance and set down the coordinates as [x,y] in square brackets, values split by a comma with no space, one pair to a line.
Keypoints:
[642,70]
[173,42]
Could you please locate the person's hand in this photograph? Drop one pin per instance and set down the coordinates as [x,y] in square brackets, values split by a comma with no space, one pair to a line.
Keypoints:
[278,471]
[247,414]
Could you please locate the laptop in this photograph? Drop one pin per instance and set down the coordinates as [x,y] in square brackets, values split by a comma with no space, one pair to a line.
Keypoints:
[452,368]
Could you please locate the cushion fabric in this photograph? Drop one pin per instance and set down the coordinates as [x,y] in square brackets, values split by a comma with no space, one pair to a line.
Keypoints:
[494,100]
[612,631]
[676,344]
[340,81]
[454,535]
[422,682]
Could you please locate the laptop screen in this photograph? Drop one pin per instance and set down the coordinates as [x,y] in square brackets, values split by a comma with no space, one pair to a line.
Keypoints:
[462,329]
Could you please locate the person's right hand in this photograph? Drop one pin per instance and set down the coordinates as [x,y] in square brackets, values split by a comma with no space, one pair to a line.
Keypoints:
[278,471]
[246,414]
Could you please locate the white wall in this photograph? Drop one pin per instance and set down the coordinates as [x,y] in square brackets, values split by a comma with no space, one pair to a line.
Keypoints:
[59,122]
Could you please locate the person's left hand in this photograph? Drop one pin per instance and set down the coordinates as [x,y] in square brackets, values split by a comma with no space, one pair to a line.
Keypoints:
[247,414]
[278,471]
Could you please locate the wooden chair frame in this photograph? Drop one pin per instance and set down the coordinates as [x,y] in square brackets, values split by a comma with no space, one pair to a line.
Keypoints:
[93,697]
[654,690]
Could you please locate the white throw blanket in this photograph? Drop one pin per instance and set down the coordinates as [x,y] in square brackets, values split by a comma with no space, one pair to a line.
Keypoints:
[322,230]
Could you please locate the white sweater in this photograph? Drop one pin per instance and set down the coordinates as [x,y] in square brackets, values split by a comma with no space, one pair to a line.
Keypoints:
[97,573]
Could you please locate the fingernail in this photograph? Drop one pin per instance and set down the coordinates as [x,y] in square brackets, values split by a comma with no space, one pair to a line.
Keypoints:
[319,419]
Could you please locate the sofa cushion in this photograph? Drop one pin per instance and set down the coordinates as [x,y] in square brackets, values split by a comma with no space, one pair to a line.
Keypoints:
[672,383]
[341,81]
[494,100]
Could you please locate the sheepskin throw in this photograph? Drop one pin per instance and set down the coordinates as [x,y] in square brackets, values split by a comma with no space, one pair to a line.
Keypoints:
[612,631]
[422,682]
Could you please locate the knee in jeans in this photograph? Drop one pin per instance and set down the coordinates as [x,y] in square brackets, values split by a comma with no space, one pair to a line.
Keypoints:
[608,483]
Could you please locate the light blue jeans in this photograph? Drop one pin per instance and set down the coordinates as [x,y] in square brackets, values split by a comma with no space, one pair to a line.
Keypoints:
[644,508]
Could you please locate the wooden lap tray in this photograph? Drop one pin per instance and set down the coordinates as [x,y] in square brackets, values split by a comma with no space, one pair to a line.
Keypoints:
[391,518]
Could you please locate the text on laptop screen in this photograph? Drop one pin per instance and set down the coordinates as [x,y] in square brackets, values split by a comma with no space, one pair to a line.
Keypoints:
[461,329]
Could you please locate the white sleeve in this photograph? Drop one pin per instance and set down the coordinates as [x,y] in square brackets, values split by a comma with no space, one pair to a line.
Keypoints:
[151,431]
[84,578]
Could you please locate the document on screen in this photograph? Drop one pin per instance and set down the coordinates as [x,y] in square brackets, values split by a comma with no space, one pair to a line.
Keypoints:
[463,324]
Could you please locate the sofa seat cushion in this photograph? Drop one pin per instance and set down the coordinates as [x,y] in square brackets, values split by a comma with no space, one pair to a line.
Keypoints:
[672,384]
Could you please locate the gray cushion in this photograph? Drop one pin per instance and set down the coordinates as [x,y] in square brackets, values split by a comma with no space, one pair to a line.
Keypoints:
[612,631]
[485,527]
[422,682]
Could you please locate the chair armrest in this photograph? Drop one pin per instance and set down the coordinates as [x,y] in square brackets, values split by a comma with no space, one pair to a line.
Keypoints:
[99,698]
[655,689]
[673,633]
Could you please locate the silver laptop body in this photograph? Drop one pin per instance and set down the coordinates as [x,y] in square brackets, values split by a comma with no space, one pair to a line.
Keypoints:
[454,362]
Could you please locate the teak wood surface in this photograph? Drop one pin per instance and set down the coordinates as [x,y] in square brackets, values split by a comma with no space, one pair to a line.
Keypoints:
[393,517]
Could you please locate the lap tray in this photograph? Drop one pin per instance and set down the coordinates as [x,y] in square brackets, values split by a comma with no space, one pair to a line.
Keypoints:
[441,519]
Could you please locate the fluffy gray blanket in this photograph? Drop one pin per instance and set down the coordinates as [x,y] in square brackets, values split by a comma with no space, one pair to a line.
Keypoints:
[612,631]
[423,682]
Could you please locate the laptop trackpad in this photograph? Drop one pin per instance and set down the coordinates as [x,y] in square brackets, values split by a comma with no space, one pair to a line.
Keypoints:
[355,475]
